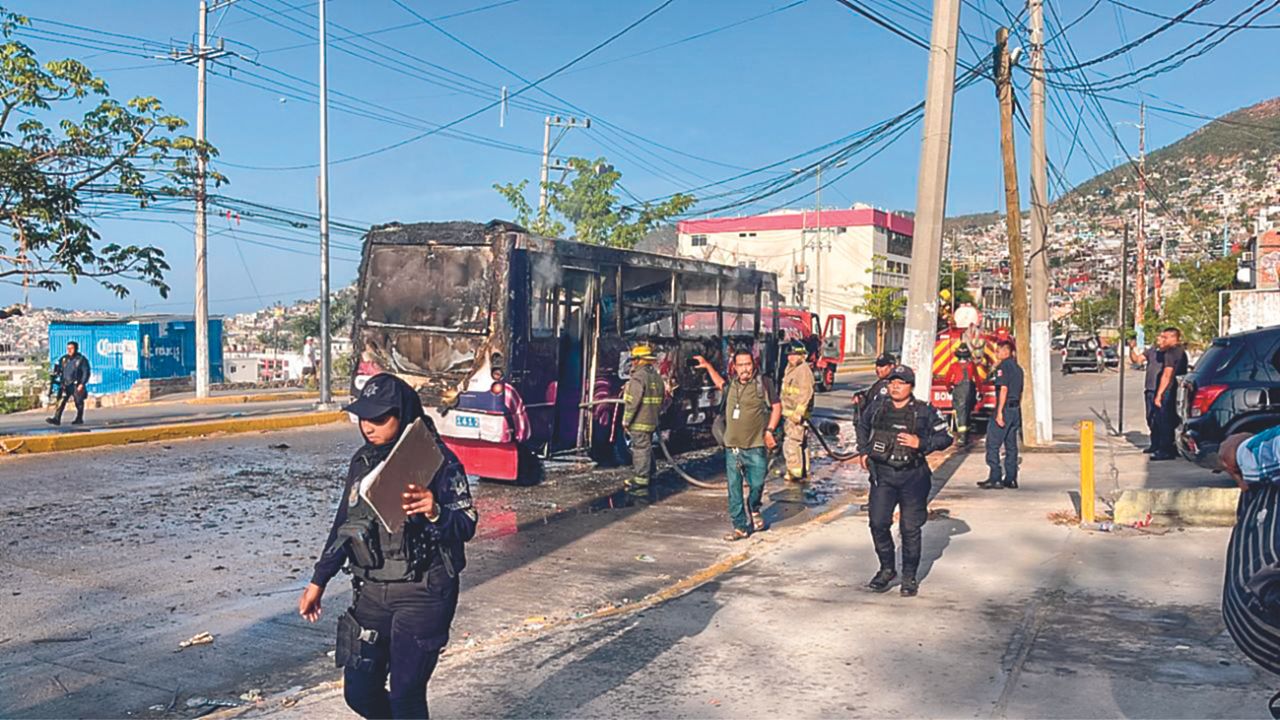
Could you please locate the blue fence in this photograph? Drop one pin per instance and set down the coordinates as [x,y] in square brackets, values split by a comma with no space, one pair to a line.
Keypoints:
[120,353]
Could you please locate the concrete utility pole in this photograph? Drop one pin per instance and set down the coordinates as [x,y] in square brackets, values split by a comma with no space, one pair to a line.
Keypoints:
[1123,350]
[931,196]
[547,148]
[200,57]
[326,350]
[1013,220]
[1140,286]
[817,245]
[1041,389]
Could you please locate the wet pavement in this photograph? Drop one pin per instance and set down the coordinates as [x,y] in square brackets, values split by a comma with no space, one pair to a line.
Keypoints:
[110,558]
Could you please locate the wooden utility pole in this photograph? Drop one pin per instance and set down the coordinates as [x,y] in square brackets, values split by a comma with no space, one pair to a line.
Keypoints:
[931,196]
[1013,205]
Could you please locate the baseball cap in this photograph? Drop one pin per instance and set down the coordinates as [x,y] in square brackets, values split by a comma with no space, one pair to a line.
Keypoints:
[903,373]
[886,359]
[377,398]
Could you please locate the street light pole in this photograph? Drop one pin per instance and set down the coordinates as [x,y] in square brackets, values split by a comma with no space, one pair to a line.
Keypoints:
[325,341]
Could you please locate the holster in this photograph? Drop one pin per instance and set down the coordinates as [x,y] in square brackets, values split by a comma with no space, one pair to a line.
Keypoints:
[361,540]
[357,646]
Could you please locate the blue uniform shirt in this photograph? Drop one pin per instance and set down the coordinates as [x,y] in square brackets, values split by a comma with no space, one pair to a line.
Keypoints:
[1009,375]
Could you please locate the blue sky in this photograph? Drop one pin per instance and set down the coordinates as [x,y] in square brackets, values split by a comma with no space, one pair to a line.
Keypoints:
[797,76]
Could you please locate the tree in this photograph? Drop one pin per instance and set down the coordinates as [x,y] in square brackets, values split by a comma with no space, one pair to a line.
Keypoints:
[1091,314]
[341,312]
[962,294]
[589,203]
[885,305]
[53,176]
[1193,307]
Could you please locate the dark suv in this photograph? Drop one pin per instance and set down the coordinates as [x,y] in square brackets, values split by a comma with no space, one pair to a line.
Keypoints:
[1082,352]
[1235,387]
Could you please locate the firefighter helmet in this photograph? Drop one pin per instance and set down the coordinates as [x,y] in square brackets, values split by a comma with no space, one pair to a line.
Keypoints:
[795,347]
[642,352]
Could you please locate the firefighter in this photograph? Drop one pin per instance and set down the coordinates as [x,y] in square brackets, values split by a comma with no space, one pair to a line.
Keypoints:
[641,405]
[894,435]
[961,379]
[797,400]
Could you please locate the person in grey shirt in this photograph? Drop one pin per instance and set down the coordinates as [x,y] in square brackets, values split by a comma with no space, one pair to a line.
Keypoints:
[1153,360]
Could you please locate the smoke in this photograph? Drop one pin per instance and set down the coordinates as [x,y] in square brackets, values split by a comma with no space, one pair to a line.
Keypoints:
[547,271]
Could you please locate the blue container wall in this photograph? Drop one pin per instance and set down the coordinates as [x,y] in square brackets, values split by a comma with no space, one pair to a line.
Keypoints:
[113,352]
[120,354]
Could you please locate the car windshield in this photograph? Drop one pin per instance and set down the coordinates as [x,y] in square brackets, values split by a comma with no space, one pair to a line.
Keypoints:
[430,287]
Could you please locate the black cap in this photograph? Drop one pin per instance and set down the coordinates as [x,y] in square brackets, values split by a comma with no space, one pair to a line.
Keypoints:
[903,373]
[886,359]
[377,398]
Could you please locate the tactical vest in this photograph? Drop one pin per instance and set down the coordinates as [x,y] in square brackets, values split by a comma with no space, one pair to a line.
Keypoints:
[378,555]
[888,422]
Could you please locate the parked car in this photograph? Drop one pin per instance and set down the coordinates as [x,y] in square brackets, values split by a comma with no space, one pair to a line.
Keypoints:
[1235,387]
[1082,351]
[1110,357]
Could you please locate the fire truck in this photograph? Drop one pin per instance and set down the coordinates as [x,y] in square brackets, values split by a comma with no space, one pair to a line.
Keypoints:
[825,341]
[983,346]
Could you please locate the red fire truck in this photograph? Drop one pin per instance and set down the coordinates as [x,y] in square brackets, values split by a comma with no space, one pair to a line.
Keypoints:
[825,342]
[983,346]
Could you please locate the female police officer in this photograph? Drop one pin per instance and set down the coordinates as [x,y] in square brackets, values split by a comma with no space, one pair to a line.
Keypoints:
[406,583]
[894,435]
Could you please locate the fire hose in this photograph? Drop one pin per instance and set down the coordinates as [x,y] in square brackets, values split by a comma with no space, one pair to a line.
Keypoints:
[714,485]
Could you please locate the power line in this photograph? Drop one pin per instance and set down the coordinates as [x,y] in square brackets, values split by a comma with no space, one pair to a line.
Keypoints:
[1201,23]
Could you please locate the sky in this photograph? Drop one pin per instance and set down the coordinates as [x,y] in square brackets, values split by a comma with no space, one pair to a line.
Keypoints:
[698,93]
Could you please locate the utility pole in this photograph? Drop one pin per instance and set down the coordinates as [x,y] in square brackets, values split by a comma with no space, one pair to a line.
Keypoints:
[547,148]
[1140,286]
[817,245]
[931,196]
[326,350]
[1013,220]
[200,57]
[1123,350]
[1041,386]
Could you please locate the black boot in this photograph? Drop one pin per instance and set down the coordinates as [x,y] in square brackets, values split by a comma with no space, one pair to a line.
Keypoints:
[910,586]
[78,421]
[1011,485]
[991,485]
[881,581]
[53,421]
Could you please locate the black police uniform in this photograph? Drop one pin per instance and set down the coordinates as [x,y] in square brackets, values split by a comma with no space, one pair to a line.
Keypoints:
[1008,375]
[72,373]
[405,583]
[863,401]
[900,477]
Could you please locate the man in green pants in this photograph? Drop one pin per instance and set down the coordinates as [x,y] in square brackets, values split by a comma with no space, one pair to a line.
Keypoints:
[641,405]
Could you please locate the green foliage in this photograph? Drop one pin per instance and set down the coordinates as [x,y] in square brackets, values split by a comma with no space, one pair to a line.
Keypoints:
[1094,313]
[591,205]
[341,312]
[1193,307]
[51,173]
[961,282]
[885,305]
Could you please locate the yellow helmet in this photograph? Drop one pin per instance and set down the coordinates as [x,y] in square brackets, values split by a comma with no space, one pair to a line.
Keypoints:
[642,352]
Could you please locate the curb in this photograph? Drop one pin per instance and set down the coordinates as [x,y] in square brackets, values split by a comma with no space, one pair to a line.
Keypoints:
[256,398]
[1199,507]
[31,444]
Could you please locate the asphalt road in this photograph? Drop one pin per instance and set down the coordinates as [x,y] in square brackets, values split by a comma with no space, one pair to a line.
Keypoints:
[111,557]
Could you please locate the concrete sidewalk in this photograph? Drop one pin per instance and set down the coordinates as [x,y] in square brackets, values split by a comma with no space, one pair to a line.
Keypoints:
[1017,617]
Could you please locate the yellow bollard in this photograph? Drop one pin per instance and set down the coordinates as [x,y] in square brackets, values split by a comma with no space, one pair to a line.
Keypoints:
[1086,472]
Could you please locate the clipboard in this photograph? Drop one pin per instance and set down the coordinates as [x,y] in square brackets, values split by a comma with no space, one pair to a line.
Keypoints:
[415,459]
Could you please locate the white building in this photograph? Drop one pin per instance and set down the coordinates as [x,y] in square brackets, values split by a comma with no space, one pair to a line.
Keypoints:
[860,248]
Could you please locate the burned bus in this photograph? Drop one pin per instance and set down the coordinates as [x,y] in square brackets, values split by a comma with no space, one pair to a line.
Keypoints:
[519,344]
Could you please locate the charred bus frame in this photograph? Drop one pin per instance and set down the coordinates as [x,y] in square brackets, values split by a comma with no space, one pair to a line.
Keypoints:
[444,305]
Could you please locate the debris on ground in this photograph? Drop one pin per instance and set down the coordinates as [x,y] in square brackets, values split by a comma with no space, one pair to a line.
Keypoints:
[646,558]
[279,446]
[253,696]
[61,639]
[1063,517]
[203,638]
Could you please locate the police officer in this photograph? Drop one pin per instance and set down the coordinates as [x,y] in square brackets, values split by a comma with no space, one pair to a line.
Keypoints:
[1004,428]
[641,405]
[797,400]
[72,374]
[405,582]
[880,388]
[894,436]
